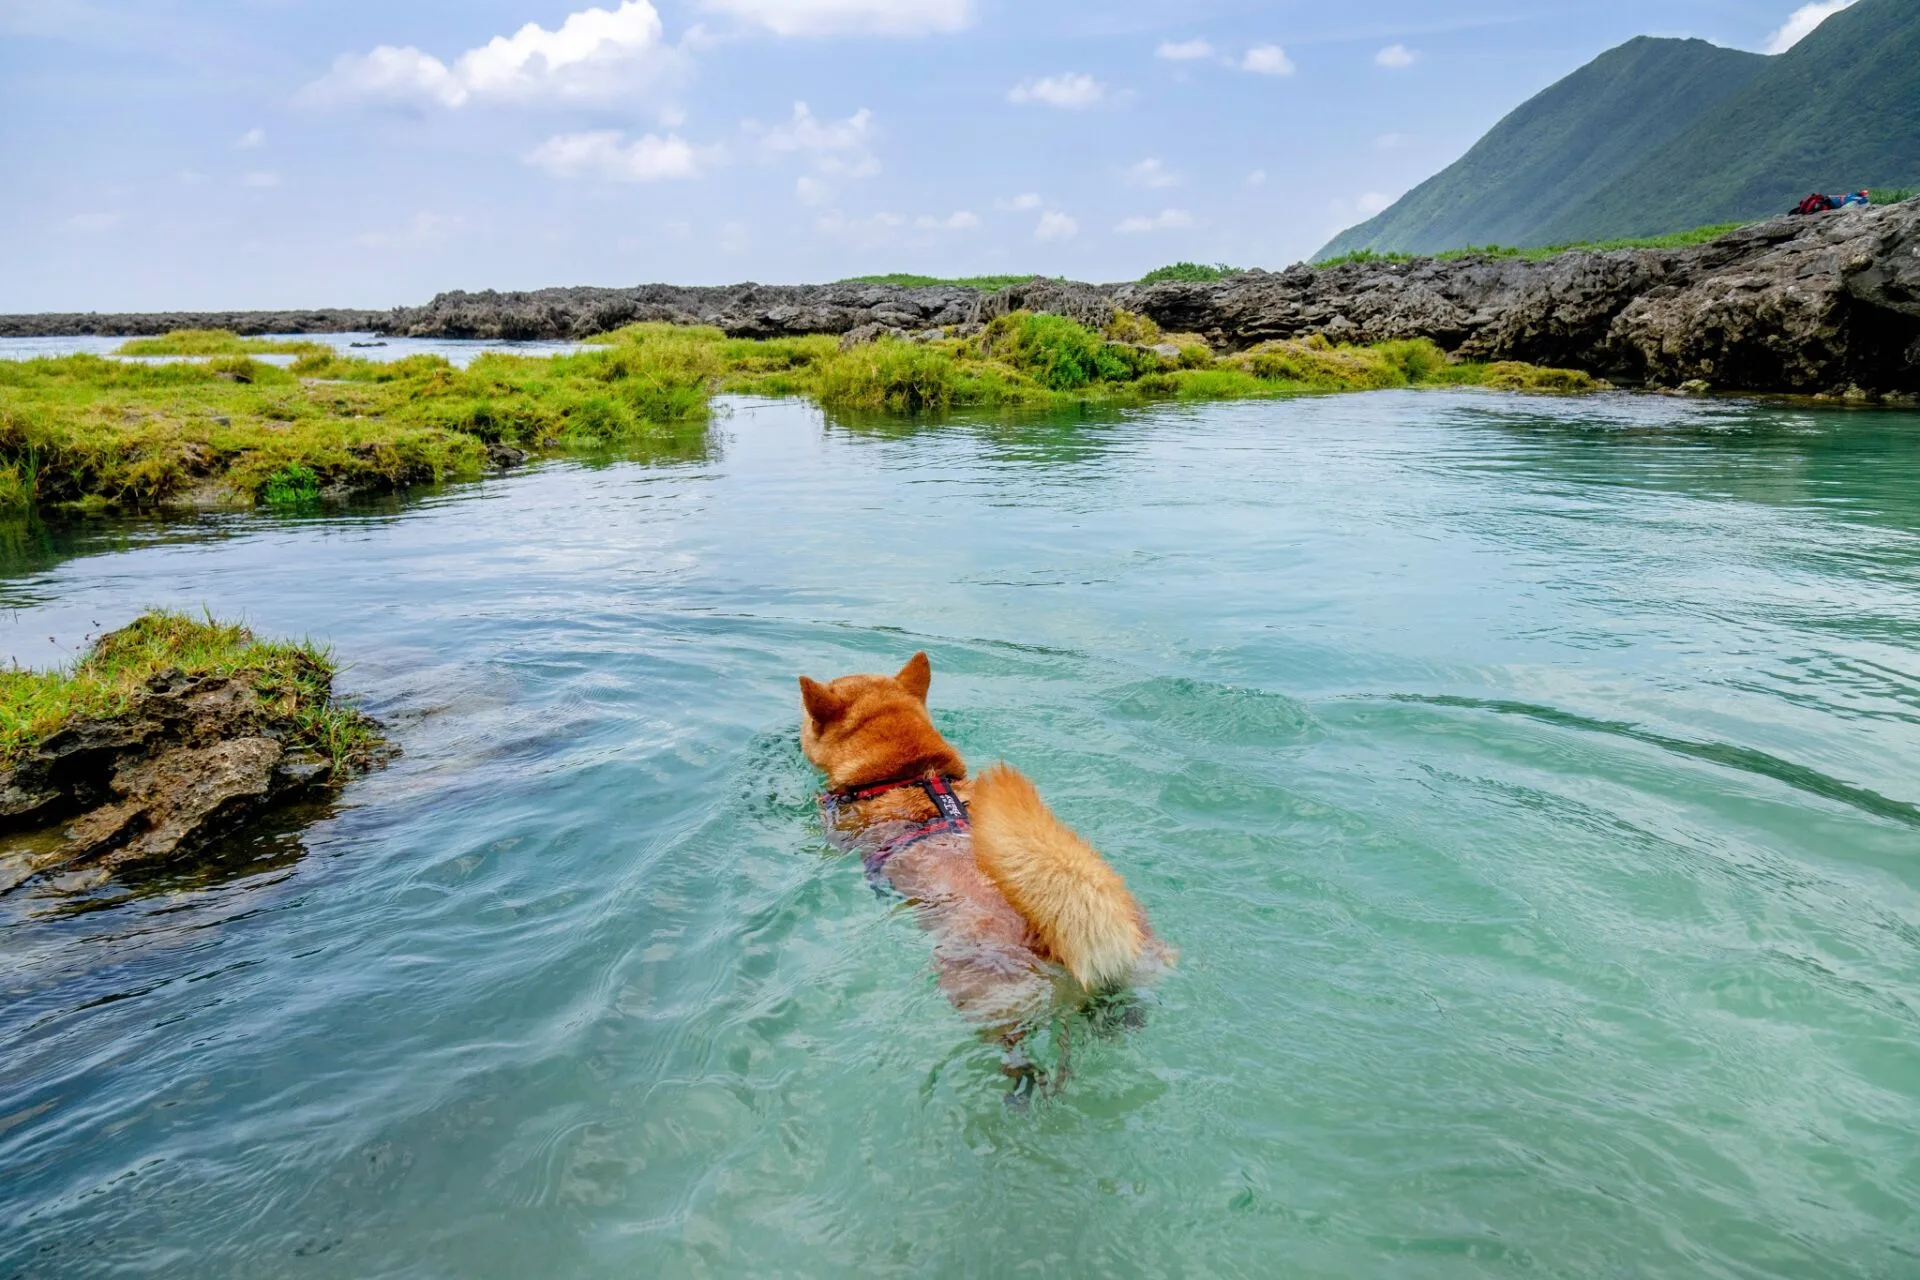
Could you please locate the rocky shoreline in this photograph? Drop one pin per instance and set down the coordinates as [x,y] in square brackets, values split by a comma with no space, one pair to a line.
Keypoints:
[1828,304]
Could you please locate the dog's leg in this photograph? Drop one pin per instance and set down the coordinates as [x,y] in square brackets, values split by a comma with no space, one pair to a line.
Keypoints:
[1028,1080]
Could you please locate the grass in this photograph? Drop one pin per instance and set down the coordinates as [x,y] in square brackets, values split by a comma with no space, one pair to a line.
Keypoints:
[85,433]
[1194,272]
[1894,195]
[906,280]
[1678,240]
[294,680]
[216,342]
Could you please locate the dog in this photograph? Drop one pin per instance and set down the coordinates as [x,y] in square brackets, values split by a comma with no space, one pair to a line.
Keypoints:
[1026,917]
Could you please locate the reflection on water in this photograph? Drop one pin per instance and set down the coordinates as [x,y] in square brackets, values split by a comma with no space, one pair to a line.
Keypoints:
[1529,786]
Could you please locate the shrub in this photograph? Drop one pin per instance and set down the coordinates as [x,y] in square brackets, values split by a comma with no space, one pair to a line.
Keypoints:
[903,377]
[292,485]
[1131,326]
[1193,272]
[1058,353]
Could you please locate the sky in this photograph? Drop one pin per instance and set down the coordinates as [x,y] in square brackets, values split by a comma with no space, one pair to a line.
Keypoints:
[213,154]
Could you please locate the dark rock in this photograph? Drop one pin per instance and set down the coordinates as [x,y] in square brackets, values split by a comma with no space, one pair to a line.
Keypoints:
[246,323]
[1795,304]
[505,456]
[188,760]
[177,801]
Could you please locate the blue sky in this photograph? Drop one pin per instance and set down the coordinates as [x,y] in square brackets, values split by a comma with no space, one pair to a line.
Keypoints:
[269,153]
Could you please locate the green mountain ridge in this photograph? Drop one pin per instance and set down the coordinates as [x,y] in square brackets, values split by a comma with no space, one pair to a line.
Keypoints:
[1659,135]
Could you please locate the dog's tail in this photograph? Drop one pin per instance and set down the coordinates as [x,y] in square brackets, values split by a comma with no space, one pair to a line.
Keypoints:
[1076,903]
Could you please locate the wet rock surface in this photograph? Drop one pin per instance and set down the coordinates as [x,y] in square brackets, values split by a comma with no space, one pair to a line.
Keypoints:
[189,760]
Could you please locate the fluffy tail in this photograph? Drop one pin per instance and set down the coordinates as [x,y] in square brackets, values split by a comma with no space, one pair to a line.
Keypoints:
[1078,904]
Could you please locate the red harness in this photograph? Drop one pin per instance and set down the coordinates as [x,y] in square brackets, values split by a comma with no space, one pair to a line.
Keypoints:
[949,814]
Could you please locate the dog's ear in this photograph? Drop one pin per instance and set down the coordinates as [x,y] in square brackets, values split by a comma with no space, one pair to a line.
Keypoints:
[822,703]
[917,676]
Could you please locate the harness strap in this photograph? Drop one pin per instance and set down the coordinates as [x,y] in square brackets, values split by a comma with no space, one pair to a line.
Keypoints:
[950,815]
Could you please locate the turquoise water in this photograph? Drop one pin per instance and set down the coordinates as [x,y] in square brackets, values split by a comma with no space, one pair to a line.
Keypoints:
[1532,788]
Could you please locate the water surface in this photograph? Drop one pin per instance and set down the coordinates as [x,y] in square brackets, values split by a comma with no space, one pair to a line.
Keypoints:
[459,352]
[1532,788]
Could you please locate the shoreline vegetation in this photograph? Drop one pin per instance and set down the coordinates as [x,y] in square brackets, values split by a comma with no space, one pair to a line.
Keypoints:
[110,679]
[88,434]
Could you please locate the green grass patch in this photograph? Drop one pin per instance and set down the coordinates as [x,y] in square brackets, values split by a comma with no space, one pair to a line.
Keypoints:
[905,280]
[216,342]
[1193,272]
[1893,195]
[1678,240]
[85,433]
[295,680]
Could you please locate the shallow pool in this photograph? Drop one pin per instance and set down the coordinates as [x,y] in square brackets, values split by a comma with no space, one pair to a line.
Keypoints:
[1532,788]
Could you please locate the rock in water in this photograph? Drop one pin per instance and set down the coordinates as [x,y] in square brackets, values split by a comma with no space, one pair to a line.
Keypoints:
[176,762]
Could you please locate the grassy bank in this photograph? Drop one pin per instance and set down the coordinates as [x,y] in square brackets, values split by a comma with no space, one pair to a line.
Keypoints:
[1678,240]
[294,680]
[216,342]
[84,432]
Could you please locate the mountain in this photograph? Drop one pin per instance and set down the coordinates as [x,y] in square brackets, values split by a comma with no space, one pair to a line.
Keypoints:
[1659,136]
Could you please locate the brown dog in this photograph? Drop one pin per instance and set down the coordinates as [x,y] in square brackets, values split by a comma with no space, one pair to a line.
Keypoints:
[1023,912]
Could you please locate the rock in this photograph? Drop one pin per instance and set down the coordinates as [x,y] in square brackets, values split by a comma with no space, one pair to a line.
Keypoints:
[505,456]
[862,335]
[177,801]
[188,760]
[1695,387]
[246,323]
[1795,304]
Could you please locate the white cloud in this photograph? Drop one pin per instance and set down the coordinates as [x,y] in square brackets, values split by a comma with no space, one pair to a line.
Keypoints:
[1019,204]
[1801,25]
[960,220]
[1395,56]
[1391,141]
[851,17]
[836,148]
[423,229]
[1165,220]
[1070,90]
[1151,173]
[95,221]
[595,53]
[251,139]
[261,180]
[1056,226]
[1267,60]
[1258,178]
[805,132]
[607,155]
[1184,50]
[1373,202]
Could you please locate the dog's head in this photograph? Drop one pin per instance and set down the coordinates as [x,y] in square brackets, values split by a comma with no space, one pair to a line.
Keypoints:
[860,730]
